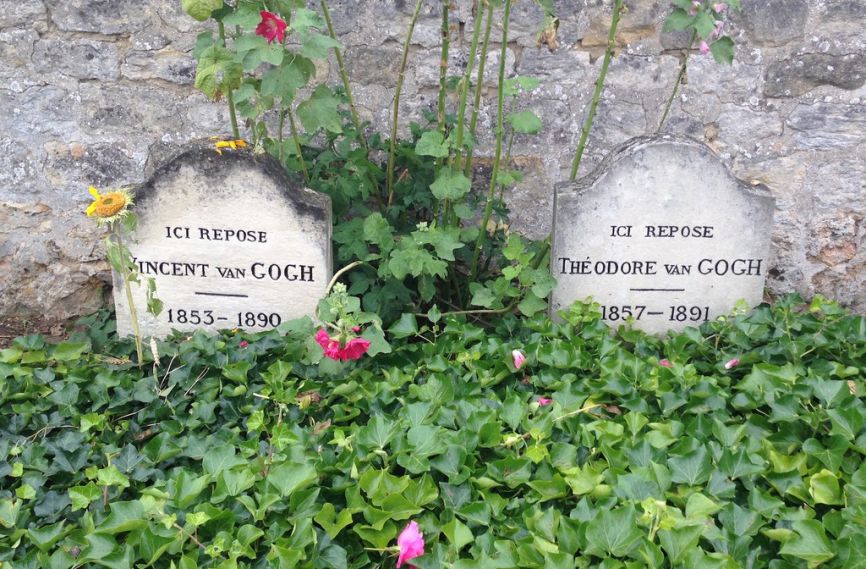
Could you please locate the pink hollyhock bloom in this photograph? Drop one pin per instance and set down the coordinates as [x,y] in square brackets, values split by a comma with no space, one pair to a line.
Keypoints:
[544,401]
[244,344]
[519,358]
[272,27]
[411,543]
[720,7]
[718,31]
[665,363]
[704,48]
[732,363]
[353,350]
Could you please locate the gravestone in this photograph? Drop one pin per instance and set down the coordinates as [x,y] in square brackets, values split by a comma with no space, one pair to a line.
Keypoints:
[232,242]
[661,232]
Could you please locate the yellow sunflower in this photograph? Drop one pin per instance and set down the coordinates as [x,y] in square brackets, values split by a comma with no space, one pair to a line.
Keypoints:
[110,206]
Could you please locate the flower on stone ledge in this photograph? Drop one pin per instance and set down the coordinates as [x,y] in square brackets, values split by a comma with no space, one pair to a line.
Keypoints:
[411,544]
[110,206]
[352,350]
[272,27]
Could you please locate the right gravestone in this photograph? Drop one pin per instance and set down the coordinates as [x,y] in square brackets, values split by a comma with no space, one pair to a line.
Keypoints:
[661,233]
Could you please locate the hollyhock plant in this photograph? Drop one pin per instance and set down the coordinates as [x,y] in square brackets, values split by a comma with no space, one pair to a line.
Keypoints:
[411,544]
[272,27]
[519,358]
[352,350]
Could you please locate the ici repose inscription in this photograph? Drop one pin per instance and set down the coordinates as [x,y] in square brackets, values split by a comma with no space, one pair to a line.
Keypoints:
[660,233]
[231,241]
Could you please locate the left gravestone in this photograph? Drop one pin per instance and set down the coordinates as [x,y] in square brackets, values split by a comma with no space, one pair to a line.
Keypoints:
[231,241]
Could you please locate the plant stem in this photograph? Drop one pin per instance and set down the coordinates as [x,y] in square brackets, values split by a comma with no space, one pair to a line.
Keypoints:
[678,82]
[233,117]
[340,273]
[297,140]
[344,76]
[443,66]
[133,313]
[500,131]
[464,87]
[280,133]
[392,147]
[479,84]
[599,87]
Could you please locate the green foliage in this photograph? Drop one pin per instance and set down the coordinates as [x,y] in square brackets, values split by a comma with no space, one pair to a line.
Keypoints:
[706,25]
[258,455]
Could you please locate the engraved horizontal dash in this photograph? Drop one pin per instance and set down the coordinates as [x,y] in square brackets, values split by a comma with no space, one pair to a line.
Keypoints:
[654,313]
[222,294]
[657,289]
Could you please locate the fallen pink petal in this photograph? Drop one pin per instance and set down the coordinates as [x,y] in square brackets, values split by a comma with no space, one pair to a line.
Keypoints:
[519,358]
[544,401]
[411,544]
[704,48]
[720,7]
[244,344]
[665,363]
[732,363]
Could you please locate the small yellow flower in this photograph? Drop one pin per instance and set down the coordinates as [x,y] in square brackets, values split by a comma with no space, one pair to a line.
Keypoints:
[233,144]
[110,206]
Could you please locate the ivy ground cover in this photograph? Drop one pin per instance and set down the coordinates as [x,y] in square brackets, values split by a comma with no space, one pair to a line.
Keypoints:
[737,445]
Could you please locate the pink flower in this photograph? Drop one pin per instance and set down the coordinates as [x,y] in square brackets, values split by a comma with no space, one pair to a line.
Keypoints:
[544,401]
[696,5]
[244,344]
[718,30]
[353,350]
[720,7]
[519,358]
[665,363]
[732,363]
[272,27]
[411,543]
[704,47]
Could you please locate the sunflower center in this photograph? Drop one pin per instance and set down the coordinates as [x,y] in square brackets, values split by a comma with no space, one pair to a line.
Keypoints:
[110,204]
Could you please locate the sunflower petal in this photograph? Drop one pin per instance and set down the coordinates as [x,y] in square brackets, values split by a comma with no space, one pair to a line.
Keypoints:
[94,192]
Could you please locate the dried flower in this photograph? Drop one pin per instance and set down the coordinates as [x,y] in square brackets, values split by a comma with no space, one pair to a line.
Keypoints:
[272,27]
[411,544]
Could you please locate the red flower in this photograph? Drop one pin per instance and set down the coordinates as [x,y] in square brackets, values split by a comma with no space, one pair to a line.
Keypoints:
[353,350]
[272,27]
[244,344]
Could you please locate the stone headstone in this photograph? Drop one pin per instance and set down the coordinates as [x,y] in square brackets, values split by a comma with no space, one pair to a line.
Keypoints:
[663,233]
[232,242]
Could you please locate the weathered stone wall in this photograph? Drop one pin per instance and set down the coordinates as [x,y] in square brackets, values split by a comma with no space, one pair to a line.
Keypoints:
[89,88]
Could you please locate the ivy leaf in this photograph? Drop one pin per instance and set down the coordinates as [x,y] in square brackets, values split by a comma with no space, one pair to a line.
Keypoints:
[450,185]
[613,532]
[525,122]
[291,477]
[723,50]
[217,72]
[82,496]
[431,143]
[809,543]
[531,304]
[824,488]
[200,9]
[321,111]
[678,20]
[692,469]
[405,327]
[221,457]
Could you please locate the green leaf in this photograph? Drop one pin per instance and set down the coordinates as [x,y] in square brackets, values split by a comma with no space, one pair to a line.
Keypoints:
[678,20]
[217,72]
[824,488]
[254,50]
[317,46]
[613,532]
[200,9]
[531,304]
[450,185]
[69,351]
[723,50]
[321,111]
[704,24]
[111,476]
[285,80]
[810,543]
[405,327]
[692,469]
[431,143]
[221,457]
[332,522]
[124,516]
[291,477]
[525,122]
[82,496]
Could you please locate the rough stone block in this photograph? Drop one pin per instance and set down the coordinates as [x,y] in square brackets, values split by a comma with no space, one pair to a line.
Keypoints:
[82,59]
[100,16]
[775,22]
[828,125]
[167,65]
[800,74]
